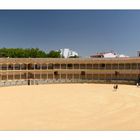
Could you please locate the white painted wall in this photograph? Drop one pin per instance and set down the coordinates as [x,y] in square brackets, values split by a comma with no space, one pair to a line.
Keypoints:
[68,53]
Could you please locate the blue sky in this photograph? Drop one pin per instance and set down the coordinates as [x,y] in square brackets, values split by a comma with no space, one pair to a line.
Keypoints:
[86,32]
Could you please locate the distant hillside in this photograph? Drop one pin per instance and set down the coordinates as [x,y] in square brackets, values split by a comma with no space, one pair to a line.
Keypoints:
[27,53]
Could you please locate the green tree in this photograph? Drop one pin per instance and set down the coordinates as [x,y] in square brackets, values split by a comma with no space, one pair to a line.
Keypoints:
[54,54]
[27,53]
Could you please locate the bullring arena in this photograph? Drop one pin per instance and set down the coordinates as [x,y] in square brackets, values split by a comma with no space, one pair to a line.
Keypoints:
[69,94]
[33,71]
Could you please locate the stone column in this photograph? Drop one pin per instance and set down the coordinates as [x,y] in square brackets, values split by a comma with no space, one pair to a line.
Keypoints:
[20,70]
[53,73]
[13,71]
[79,73]
[105,73]
[7,71]
[111,71]
[60,73]
[72,72]
[0,71]
[27,75]
[91,72]
[34,73]
[47,72]
[66,72]
[40,71]
[98,72]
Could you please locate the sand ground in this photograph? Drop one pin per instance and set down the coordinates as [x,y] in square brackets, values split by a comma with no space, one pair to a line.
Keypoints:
[70,107]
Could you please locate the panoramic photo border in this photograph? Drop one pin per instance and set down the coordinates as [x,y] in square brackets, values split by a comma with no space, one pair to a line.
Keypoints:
[70,4]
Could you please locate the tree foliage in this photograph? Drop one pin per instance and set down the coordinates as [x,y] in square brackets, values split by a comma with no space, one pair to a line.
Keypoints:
[27,53]
[54,54]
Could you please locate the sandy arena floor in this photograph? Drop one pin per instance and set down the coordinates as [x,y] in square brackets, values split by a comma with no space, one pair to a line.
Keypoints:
[70,107]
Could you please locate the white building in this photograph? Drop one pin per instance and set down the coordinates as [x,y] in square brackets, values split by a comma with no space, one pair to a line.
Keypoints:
[108,55]
[66,53]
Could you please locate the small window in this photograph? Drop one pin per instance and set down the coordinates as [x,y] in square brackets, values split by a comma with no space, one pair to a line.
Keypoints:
[83,73]
[56,73]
